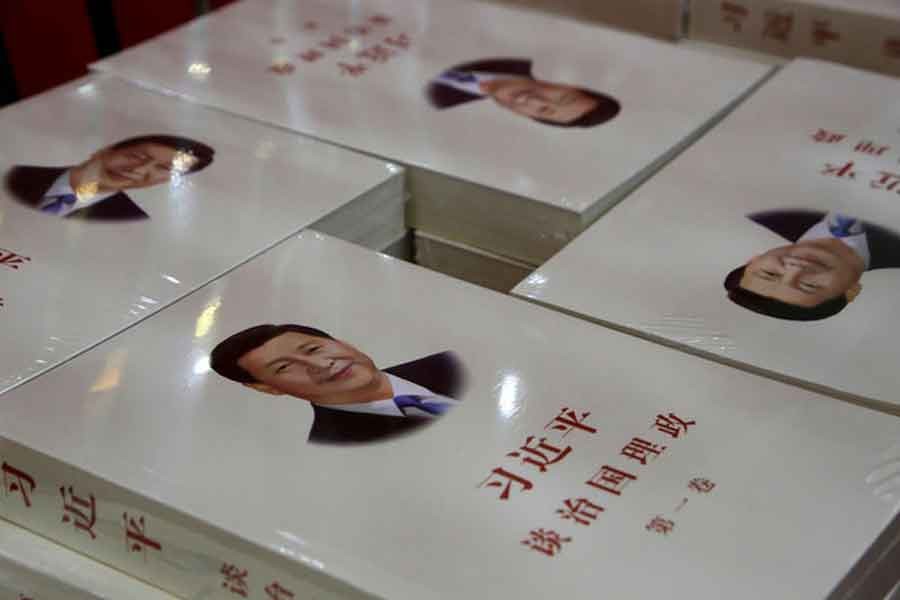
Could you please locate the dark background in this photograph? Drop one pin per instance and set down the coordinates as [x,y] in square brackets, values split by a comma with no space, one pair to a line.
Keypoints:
[44,44]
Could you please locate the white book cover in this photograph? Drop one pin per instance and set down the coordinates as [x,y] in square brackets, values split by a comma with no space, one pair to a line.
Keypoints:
[33,568]
[862,33]
[561,117]
[773,243]
[347,425]
[116,201]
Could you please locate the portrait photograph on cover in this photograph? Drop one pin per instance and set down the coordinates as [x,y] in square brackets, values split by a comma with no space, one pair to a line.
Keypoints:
[353,401]
[509,83]
[94,189]
[818,273]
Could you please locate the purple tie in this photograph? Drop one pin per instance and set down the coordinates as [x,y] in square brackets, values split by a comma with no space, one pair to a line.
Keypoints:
[432,407]
[59,203]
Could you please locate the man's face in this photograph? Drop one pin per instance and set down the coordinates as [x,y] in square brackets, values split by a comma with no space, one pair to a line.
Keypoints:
[319,370]
[135,166]
[806,273]
[541,99]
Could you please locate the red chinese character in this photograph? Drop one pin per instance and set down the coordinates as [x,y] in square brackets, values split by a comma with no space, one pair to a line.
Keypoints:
[10,259]
[641,450]
[827,137]
[567,420]
[841,171]
[580,510]
[136,539]
[778,25]
[282,68]
[277,39]
[734,14]
[660,525]
[822,33]
[867,147]
[335,42]
[611,480]
[672,425]
[398,41]
[510,479]
[380,20]
[541,454]
[310,55]
[887,181]
[547,542]
[78,511]
[891,48]
[352,70]
[235,580]
[376,53]
[275,592]
[15,480]
[358,30]
[701,485]
[310,25]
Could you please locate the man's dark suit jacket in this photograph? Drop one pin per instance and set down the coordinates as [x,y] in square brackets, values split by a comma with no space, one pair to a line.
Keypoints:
[884,244]
[441,373]
[444,96]
[29,184]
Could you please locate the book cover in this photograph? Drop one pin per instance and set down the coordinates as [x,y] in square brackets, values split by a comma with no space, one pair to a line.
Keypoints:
[116,201]
[522,127]
[773,243]
[860,33]
[352,426]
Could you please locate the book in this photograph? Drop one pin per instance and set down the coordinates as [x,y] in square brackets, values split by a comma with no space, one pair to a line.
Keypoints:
[516,137]
[354,426]
[860,33]
[127,199]
[33,568]
[734,250]
[468,264]
[661,18]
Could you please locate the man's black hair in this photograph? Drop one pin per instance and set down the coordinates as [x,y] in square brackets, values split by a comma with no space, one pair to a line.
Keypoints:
[776,308]
[225,356]
[202,154]
[607,108]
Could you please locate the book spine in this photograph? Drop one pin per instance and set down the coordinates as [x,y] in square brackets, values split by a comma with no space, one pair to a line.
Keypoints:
[793,29]
[150,542]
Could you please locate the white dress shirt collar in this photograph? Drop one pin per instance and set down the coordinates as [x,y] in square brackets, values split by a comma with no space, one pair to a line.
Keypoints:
[859,242]
[62,187]
[400,387]
[471,87]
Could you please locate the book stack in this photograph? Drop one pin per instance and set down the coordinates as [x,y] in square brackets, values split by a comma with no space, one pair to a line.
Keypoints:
[772,244]
[33,568]
[660,18]
[516,136]
[319,442]
[128,200]
[861,33]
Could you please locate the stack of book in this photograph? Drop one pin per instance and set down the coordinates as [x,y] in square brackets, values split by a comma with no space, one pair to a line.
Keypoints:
[773,243]
[336,433]
[33,568]
[518,129]
[862,33]
[127,200]
[660,18]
